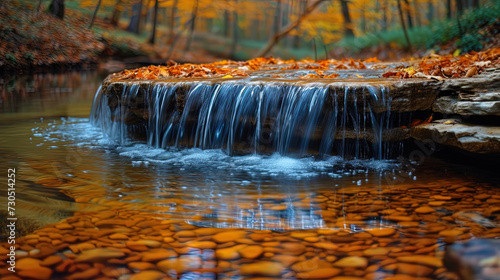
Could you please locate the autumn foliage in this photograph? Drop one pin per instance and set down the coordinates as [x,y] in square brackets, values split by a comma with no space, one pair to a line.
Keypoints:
[439,67]
[230,69]
[434,67]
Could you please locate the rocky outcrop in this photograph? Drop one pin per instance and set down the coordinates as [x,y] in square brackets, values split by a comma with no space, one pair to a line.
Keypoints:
[478,96]
[456,104]
[488,80]
[469,109]
[472,138]
[453,105]
[475,259]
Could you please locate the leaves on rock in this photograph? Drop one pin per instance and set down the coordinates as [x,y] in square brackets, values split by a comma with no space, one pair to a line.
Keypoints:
[449,66]
[230,69]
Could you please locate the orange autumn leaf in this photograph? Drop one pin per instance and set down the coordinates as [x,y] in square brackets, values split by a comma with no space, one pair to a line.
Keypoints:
[416,122]
[331,76]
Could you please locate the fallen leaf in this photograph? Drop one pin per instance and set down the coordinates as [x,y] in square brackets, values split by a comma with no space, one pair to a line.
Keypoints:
[331,76]
[310,76]
[471,72]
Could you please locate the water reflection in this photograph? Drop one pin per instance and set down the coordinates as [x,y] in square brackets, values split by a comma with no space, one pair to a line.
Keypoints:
[43,95]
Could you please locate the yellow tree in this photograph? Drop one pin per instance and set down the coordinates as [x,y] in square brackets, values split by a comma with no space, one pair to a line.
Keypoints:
[365,15]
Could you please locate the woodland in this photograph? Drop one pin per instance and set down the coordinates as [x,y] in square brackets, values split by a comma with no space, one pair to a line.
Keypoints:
[45,34]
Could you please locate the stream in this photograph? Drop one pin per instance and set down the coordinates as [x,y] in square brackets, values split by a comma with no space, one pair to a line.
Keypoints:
[89,206]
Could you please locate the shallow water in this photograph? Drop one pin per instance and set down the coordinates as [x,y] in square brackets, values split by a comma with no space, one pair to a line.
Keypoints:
[200,214]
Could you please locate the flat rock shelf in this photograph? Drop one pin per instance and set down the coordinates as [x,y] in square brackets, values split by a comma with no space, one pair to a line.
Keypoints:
[358,114]
[348,117]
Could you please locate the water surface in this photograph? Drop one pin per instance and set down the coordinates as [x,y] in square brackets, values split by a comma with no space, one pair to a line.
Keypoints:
[202,214]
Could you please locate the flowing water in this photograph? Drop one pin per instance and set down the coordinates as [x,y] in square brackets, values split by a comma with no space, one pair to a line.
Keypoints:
[185,204]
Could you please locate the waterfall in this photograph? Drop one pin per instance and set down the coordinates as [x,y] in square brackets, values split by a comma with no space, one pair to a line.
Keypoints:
[241,118]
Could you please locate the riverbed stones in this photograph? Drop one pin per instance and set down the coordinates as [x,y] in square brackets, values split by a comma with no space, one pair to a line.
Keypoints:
[158,254]
[99,254]
[229,236]
[262,268]
[251,252]
[376,248]
[319,273]
[311,264]
[90,273]
[351,262]
[202,244]
[431,261]
[230,253]
[141,266]
[37,273]
[382,232]
[148,275]
[379,251]
[51,260]
[181,264]
[413,269]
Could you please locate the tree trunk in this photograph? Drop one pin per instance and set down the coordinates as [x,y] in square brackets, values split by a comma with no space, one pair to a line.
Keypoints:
[135,19]
[363,21]
[191,29]
[408,13]
[155,19]
[475,4]
[172,21]
[37,9]
[417,13]
[302,7]
[448,9]
[430,12]
[384,15]
[348,32]
[226,23]
[117,11]
[56,8]
[402,18]
[255,30]
[287,29]
[277,18]
[95,13]
[232,54]
[460,6]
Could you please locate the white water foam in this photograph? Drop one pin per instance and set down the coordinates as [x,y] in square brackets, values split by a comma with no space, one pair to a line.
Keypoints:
[80,133]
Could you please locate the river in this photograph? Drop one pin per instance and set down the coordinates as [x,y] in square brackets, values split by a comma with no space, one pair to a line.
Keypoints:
[87,204]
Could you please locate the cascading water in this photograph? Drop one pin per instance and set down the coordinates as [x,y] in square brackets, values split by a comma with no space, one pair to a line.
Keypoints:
[284,118]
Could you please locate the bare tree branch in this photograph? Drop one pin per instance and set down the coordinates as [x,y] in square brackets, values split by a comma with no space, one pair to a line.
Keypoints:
[285,30]
[95,14]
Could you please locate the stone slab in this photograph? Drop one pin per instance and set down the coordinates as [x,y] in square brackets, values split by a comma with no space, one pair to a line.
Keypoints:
[471,138]
[451,105]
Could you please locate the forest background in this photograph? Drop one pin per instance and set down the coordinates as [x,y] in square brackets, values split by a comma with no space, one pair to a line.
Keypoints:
[50,34]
